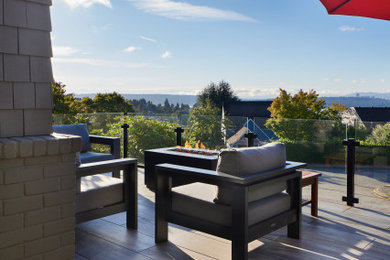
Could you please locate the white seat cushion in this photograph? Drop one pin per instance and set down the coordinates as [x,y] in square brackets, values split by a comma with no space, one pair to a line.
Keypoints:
[196,200]
[97,191]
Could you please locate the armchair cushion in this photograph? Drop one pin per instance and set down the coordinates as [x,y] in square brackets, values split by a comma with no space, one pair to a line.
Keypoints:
[89,157]
[246,161]
[200,196]
[98,191]
[77,129]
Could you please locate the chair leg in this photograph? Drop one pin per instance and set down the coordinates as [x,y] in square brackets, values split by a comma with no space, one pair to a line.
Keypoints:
[295,191]
[161,230]
[239,249]
[240,223]
[294,229]
[161,198]
[130,176]
[116,174]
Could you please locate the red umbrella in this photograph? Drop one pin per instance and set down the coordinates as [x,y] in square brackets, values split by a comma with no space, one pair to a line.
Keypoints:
[379,9]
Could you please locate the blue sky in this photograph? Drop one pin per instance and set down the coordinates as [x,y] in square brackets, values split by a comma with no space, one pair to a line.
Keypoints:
[179,47]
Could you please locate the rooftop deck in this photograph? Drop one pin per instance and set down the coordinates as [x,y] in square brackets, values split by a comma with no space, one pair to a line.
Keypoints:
[340,232]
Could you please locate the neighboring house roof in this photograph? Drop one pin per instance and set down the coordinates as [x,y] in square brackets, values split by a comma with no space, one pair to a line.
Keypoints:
[263,135]
[373,114]
[248,109]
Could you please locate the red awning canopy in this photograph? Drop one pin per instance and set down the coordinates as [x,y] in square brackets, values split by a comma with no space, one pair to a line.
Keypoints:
[379,9]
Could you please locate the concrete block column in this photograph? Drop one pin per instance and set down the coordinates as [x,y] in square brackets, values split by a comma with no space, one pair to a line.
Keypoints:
[37,197]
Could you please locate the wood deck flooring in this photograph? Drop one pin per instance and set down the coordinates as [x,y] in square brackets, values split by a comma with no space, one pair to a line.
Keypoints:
[340,232]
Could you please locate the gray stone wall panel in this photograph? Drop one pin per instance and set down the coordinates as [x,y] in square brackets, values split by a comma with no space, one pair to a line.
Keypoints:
[34,42]
[1,12]
[24,95]
[9,40]
[43,96]
[16,68]
[41,70]
[11,123]
[45,2]
[37,122]
[6,96]
[38,16]
[1,67]
[15,13]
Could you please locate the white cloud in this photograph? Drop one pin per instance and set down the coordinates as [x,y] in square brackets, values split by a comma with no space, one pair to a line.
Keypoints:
[102,63]
[132,49]
[97,29]
[166,54]
[184,11]
[147,39]
[63,51]
[346,28]
[382,81]
[87,3]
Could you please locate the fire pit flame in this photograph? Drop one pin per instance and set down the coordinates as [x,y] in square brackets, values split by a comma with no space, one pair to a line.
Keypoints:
[200,148]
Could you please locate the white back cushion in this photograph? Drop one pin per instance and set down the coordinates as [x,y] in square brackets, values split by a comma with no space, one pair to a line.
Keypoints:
[247,161]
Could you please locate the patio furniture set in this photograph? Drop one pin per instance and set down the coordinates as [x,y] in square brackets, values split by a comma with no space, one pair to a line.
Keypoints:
[258,191]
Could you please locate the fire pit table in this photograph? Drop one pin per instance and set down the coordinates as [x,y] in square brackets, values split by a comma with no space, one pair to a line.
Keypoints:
[200,158]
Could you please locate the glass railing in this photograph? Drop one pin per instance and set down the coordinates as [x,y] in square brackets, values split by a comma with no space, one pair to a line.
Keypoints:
[319,143]
[372,160]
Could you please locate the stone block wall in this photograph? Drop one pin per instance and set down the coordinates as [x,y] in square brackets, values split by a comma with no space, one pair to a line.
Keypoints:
[25,68]
[37,197]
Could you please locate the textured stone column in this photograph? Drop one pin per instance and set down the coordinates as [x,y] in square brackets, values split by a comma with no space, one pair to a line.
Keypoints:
[37,170]
[25,68]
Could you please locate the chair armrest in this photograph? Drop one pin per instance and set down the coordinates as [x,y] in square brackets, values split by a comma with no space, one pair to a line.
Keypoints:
[219,178]
[113,142]
[93,168]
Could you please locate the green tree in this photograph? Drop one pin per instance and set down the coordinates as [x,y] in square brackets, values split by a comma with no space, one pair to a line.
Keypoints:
[380,135]
[206,125]
[296,117]
[110,102]
[218,94]
[63,103]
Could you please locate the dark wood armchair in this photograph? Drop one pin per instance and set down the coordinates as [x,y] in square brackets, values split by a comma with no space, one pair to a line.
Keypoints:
[86,155]
[259,205]
[100,195]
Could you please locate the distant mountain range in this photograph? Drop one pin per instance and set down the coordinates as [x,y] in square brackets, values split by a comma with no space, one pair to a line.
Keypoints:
[369,99]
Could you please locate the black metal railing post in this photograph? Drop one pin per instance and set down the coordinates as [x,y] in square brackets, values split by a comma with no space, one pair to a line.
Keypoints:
[350,198]
[178,132]
[251,138]
[125,139]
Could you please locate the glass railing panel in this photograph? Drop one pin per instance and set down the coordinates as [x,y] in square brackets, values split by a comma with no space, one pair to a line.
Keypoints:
[372,179]
[317,143]
[149,132]
[206,131]
[235,128]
